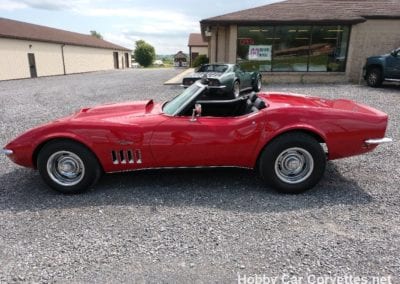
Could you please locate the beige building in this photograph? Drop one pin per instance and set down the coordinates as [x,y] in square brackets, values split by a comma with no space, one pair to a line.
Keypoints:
[197,46]
[305,40]
[28,51]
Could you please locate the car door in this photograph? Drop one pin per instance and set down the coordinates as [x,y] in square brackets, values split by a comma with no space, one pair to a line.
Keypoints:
[244,77]
[206,141]
[393,65]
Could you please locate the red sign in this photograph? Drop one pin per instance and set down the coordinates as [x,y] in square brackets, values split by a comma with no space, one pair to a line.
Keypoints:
[246,41]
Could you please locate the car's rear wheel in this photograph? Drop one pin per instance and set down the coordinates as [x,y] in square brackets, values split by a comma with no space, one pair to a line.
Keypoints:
[257,84]
[374,77]
[236,89]
[292,163]
[68,166]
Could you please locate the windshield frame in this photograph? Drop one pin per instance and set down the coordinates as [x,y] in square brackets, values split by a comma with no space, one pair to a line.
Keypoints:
[191,93]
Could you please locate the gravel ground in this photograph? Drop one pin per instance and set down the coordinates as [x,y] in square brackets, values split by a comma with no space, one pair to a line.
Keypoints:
[202,226]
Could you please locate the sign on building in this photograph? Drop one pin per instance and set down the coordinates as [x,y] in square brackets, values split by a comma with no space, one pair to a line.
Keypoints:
[260,52]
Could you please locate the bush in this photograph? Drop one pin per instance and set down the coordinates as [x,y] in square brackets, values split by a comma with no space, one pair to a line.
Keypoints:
[144,53]
[200,60]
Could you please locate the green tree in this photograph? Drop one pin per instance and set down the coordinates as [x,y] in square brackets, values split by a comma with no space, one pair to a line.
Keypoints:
[201,59]
[96,34]
[144,53]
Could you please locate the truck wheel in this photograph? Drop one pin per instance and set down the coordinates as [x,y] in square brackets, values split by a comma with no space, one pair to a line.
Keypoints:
[68,166]
[292,163]
[374,77]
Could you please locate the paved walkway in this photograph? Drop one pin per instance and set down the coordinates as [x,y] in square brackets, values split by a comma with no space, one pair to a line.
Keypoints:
[177,80]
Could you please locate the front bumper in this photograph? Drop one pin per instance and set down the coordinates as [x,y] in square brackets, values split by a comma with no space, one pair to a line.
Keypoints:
[7,152]
[378,141]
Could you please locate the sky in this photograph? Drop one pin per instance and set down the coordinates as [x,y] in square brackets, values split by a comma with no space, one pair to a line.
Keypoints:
[164,24]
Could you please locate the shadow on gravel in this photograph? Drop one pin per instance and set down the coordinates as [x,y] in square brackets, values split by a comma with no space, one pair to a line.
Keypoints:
[224,189]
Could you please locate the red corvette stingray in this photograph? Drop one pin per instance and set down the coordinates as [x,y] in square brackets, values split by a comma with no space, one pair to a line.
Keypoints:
[286,138]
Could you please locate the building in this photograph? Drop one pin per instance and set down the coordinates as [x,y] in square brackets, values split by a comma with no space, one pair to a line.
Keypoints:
[180,60]
[28,50]
[305,40]
[197,46]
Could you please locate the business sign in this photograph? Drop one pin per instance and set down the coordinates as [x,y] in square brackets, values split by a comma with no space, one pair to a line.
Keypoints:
[260,52]
[246,41]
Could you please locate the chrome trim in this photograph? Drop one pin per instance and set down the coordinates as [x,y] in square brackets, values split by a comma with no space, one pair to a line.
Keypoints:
[217,87]
[179,168]
[7,152]
[378,141]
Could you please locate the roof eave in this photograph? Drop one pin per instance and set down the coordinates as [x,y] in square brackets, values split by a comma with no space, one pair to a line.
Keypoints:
[65,43]
[278,22]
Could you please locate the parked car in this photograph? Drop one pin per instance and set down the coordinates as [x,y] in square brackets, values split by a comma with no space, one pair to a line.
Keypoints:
[382,68]
[229,78]
[287,138]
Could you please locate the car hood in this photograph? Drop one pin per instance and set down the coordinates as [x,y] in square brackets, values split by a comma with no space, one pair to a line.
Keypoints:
[126,109]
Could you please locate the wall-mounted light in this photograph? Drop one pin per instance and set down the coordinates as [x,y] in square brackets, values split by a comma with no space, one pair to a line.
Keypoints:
[208,32]
[30,46]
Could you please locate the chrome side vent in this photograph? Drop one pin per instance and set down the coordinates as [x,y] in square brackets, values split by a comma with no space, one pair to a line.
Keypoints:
[126,156]
[114,158]
[122,157]
[130,157]
[138,156]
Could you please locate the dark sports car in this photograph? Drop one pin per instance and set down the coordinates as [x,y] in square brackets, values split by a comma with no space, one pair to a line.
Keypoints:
[229,78]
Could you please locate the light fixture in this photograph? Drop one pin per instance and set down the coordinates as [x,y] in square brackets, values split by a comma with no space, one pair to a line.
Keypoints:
[338,31]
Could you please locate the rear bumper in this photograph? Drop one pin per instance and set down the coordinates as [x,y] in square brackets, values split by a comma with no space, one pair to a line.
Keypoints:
[378,141]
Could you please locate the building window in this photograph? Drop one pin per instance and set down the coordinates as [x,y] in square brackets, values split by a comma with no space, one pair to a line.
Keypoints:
[293,48]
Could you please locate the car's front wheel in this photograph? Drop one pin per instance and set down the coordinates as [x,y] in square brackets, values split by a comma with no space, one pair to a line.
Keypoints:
[236,89]
[374,77]
[68,166]
[257,84]
[292,163]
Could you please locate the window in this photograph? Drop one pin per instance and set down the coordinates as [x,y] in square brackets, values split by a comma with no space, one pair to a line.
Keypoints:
[293,48]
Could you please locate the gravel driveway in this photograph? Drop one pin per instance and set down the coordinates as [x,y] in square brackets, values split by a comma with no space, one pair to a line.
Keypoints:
[183,226]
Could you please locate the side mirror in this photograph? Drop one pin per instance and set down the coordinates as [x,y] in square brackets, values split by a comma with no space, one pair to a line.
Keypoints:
[196,112]
[394,53]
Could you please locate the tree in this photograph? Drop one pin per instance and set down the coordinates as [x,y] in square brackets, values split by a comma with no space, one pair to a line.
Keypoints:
[201,59]
[96,34]
[144,53]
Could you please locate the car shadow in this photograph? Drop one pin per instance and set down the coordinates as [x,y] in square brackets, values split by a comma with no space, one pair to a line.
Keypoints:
[225,189]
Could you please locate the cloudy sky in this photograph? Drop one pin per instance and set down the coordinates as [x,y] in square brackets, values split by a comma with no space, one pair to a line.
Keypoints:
[164,24]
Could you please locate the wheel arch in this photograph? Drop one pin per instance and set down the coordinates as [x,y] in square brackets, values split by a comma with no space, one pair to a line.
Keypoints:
[312,133]
[374,65]
[45,142]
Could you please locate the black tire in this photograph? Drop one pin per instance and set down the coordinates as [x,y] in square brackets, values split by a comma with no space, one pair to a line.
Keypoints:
[297,150]
[68,166]
[374,77]
[236,89]
[257,84]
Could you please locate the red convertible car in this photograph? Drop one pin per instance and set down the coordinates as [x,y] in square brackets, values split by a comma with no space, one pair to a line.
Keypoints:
[287,138]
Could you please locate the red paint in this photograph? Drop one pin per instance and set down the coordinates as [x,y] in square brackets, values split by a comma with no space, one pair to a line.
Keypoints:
[166,141]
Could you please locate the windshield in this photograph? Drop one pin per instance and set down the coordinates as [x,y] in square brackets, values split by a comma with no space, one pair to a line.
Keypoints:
[213,68]
[174,106]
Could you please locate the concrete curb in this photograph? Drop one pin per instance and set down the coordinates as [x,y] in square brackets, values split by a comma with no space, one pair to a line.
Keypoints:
[177,80]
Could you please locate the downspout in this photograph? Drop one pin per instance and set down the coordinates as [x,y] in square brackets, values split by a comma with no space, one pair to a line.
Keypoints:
[63,60]
[216,45]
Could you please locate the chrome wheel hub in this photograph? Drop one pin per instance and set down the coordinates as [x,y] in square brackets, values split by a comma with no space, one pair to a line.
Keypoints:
[294,165]
[236,89]
[65,168]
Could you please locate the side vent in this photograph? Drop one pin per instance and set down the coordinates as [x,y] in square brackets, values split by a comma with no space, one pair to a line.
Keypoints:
[138,156]
[126,156]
